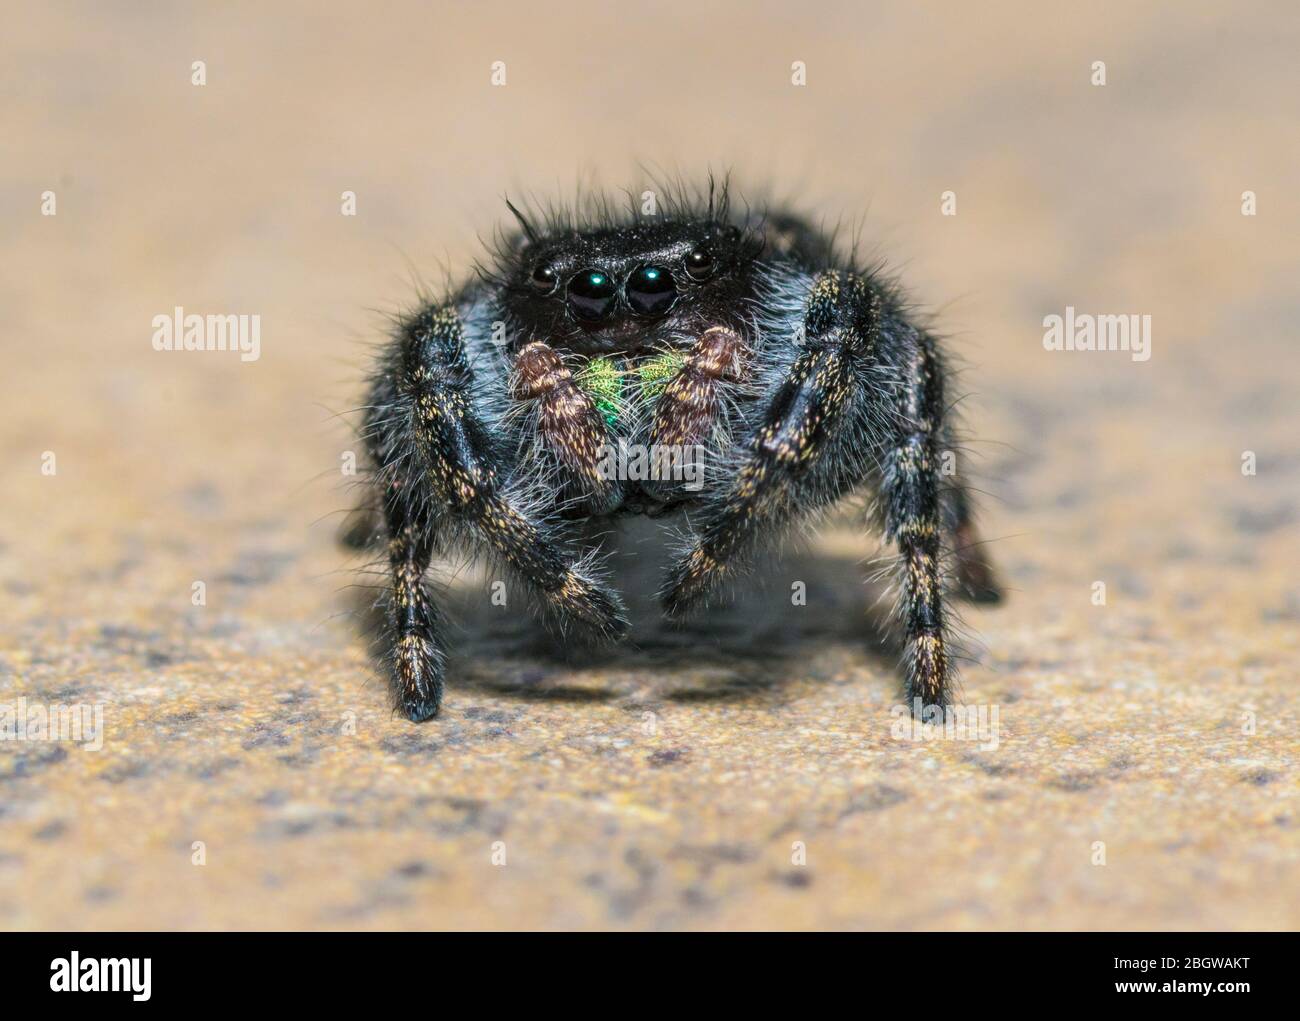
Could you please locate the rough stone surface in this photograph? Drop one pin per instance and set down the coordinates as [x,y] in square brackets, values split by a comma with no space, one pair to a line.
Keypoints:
[667,785]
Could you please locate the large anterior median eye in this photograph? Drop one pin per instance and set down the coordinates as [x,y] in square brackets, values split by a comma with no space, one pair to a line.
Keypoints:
[592,294]
[651,291]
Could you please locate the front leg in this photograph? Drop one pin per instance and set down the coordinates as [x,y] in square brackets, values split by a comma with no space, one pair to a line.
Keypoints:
[911,492]
[438,466]
[806,450]
[864,397]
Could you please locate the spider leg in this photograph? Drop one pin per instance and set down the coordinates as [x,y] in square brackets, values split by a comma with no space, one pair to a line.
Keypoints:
[439,465]
[975,577]
[802,453]
[416,658]
[361,529]
[911,491]
[824,432]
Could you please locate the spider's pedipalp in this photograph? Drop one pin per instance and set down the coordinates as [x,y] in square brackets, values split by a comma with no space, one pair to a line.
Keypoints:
[686,409]
[569,430]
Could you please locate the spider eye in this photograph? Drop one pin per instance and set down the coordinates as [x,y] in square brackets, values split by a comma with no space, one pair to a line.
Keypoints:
[543,280]
[700,263]
[592,294]
[651,290]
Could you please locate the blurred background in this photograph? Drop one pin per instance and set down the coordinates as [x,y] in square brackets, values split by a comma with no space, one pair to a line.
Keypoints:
[674,786]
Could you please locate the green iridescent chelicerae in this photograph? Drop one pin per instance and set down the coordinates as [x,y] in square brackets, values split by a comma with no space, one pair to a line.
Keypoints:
[602,380]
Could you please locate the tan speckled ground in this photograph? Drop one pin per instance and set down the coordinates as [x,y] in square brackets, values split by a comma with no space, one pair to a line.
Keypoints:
[254,723]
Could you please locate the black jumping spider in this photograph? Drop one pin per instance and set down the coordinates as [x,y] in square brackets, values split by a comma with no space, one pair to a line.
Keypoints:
[736,346]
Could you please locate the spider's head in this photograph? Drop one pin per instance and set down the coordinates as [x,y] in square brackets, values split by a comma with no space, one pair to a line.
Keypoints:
[624,289]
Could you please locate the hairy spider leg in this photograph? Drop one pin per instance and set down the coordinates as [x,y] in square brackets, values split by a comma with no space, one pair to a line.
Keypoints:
[452,488]
[816,408]
[911,488]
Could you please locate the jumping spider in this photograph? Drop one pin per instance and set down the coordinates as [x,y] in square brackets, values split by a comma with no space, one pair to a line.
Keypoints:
[796,377]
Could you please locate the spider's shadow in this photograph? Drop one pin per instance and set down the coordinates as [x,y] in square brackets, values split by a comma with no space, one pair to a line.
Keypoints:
[754,640]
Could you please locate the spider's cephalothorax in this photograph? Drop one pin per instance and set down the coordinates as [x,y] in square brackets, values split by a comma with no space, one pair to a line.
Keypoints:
[727,364]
